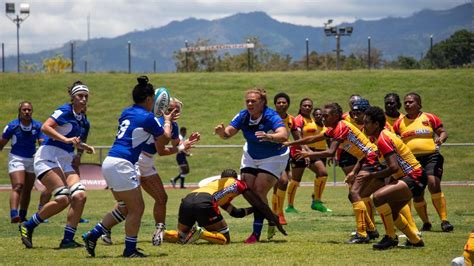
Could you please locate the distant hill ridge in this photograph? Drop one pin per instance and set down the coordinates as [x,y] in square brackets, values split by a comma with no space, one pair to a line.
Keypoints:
[393,36]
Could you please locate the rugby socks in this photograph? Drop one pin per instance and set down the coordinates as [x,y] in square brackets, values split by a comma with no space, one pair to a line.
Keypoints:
[13,213]
[386,214]
[402,224]
[257,223]
[319,185]
[171,236]
[23,214]
[469,250]
[98,230]
[215,238]
[369,218]
[406,213]
[292,187]
[280,195]
[130,244]
[359,213]
[181,179]
[439,203]
[420,208]
[33,222]
[69,233]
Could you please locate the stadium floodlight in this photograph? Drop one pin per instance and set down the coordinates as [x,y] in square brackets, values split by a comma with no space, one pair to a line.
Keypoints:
[17,19]
[337,32]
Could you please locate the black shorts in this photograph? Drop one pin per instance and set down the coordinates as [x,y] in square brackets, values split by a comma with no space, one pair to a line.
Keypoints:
[346,159]
[432,164]
[199,207]
[288,168]
[255,171]
[416,186]
[302,163]
[181,158]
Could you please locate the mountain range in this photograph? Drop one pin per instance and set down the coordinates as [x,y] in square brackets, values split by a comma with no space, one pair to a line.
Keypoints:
[393,36]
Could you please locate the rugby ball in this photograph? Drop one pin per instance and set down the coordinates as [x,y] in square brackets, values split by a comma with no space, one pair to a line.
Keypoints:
[162,101]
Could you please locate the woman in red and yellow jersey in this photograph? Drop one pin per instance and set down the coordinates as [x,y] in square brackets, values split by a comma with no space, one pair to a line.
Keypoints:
[424,133]
[352,140]
[409,180]
[202,206]
[392,106]
[307,127]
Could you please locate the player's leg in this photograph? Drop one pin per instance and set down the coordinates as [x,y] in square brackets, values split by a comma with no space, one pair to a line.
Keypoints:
[321,176]
[78,200]
[26,195]
[154,187]
[297,170]
[17,180]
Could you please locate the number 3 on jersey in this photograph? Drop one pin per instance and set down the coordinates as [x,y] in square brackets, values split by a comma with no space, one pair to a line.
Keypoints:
[123,127]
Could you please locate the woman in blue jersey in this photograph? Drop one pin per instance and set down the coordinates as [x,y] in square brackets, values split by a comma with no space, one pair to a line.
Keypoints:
[150,180]
[24,133]
[136,126]
[52,164]
[264,159]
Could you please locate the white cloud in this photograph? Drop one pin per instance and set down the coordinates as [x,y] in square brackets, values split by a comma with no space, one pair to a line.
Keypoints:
[54,22]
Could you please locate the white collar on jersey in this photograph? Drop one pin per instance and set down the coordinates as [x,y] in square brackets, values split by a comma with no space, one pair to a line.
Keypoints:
[26,128]
[77,116]
[256,121]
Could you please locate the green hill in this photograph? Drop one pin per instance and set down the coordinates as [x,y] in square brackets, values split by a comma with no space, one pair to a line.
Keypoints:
[211,98]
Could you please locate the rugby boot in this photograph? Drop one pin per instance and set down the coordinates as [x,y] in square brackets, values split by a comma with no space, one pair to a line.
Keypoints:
[271,232]
[107,238]
[89,243]
[70,244]
[134,254]
[26,235]
[282,219]
[373,234]
[446,226]
[318,206]
[426,227]
[252,239]
[386,243]
[417,245]
[157,238]
[358,239]
[291,209]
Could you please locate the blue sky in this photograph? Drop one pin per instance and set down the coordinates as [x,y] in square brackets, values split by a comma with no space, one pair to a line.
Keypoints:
[53,22]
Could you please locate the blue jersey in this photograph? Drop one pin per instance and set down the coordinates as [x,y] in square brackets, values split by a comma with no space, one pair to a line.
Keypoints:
[136,127]
[23,138]
[268,122]
[150,144]
[69,125]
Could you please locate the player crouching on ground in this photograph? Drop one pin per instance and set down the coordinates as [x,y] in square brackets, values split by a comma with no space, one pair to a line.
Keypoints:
[202,206]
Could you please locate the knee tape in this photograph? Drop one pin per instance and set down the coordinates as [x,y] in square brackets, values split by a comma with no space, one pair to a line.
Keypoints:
[77,188]
[121,204]
[118,216]
[61,192]
[224,230]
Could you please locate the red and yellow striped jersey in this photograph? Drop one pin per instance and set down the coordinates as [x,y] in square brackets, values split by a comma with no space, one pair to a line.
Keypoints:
[418,133]
[391,120]
[224,190]
[388,143]
[308,127]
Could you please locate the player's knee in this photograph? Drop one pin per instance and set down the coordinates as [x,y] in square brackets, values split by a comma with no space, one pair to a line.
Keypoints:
[62,196]
[17,187]
[78,192]
[162,199]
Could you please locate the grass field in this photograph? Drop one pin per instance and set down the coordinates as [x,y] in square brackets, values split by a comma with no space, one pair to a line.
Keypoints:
[212,98]
[314,238]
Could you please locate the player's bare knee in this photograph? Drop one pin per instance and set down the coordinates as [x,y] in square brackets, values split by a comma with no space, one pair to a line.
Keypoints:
[18,187]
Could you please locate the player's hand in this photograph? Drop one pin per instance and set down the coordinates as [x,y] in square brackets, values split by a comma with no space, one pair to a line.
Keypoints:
[263,136]
[350,178]
[88,149]
[74,141]
[363,175]
[220,130]
[331,161]
[438,141]
[301,155]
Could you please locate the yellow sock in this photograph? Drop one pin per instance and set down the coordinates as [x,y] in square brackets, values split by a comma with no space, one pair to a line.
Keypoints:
[402,224]
[386,214]
[359,213]
[215,238]
[292,192]
[319,185]
[274,202]
[406,213]
[280,195]
[420,208]
[369,217]
[439,203]
[469,250]
[171,236]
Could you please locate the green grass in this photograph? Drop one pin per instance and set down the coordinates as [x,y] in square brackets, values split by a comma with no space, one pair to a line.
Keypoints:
[212,98]
[314,238]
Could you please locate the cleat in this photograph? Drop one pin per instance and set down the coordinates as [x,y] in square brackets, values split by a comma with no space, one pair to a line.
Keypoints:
[271,232]
[386,243]
[83,221]
[107,238]
[416,245]
[358,239]
[135,254]
[157,238]
[193,235]
[318,206]
[173,184]
[252,239]
[282,219]
[26,235]
[15,220]
[373,234]
[70,244]
[89,243]
[291,209]
[446,226]
[426,227]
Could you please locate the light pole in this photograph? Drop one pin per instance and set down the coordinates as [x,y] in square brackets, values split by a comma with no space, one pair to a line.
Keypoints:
[307,53]
[249,63]
[368,53]
[72,57]
[431,50]
[129,57]
[186,55]
[326,25]
[17,19]
[338,33]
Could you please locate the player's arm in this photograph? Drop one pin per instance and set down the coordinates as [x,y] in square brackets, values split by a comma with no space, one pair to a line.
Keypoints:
[280,135]
[392,168]
[262,207]
[49,129]
[352,174]
[3,142]
[442,135]
[329,152]
[306,140]
[237,212]
[225,132]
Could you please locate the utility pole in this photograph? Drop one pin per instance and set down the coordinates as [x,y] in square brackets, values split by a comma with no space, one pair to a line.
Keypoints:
[307,54]
[368,53]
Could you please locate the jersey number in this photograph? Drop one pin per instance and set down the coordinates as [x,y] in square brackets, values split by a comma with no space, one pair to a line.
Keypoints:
[122,128]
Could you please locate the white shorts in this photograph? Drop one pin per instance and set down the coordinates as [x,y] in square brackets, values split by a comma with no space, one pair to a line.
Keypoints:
[18,163]
[119,174]
[145,165]
[275,164]
[49,157]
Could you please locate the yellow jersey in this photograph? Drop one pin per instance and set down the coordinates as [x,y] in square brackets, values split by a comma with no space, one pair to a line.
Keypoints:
[223,190]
